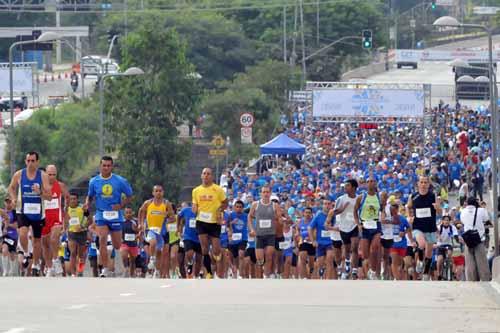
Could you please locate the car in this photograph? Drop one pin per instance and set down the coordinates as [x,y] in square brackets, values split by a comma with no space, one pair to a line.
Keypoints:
[412,64]
[94,65]
[20,102]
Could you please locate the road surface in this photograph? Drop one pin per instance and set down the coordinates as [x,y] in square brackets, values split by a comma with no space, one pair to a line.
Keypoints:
[137,305]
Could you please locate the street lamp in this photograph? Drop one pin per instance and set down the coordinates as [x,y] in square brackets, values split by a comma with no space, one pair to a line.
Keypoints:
[45,37]
[129,72]
[448,21]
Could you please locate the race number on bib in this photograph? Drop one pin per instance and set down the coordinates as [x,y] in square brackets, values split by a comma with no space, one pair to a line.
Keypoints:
[349,216]
[192,223]
[397,238]
[223,229]
[9,241]
[265,223]
[370,224]
[156,230]
[110,214]
[205,216]
[172,227]
[325,233]
[251,239]
[93,246]
[284,245]
[423,212]
[129,237]
[237,237]
[31,208]
[52,204]
[74,221]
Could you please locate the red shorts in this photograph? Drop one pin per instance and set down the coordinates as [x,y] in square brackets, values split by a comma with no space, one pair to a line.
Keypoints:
[49,224]
[132,250]
[459,261]
[399,251]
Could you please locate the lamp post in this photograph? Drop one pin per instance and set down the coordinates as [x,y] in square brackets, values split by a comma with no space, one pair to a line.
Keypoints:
[129,72]
[448,21]
[45,37]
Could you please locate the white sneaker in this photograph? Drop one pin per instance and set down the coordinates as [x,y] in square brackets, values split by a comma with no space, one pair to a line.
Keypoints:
[156,274]
[420,267]
[104,272]
[372,275]
[152,262]
[56,264]
[344,276]
[426,277]
[50,272]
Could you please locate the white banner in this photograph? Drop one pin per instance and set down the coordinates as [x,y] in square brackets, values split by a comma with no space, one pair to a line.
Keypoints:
[368,102]
[23,80]
[246,135]
[424,55]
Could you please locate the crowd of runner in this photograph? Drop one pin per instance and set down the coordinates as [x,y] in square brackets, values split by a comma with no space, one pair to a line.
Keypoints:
[364,202]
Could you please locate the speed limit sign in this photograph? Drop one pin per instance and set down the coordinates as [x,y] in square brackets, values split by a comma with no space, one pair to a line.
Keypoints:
[246,119]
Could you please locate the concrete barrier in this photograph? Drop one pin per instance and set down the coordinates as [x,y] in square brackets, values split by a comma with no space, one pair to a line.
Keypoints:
[495,271]
[365,72]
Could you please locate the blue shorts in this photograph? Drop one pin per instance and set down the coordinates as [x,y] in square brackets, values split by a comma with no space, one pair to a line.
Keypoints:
[112,226]
[430,237]
[159,239]
[288,252]
[322,249]
[224,243]
[370,233]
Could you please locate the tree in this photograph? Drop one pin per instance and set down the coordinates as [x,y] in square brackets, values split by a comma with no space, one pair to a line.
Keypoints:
[143,112]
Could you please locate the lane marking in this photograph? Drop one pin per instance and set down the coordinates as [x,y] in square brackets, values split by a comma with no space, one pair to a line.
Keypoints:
[16,330]
[127,294]
[77,307]
[166,286]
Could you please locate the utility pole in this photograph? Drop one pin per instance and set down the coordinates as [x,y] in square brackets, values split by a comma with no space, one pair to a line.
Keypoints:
[304,70]
[317,22]
[294,40]
[284,35]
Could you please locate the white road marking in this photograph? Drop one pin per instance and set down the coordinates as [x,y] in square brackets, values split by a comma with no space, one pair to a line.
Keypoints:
[127,294]
[77,307]
[16,330]
[166,286]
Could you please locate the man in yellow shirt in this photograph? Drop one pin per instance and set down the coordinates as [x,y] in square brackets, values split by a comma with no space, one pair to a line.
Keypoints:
[209,202]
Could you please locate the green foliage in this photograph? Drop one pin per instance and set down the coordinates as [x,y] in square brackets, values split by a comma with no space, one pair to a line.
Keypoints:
[65,136]
[143,112]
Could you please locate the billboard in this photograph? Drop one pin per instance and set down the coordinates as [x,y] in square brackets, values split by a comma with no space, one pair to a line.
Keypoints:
[23,79]
[368,102]
[439,55]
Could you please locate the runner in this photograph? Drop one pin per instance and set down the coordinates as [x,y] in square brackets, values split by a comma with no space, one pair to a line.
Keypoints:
[322,242]
[423,206]
[366,216]
[349,231]
[306,249]
[51,232]
[129,249]
[209,202]
[447,232]
[288,248]
[238,238]
[107,188]
[267,215]
[92,252]
[28,188]
[172,239]
[10,236]
[192,248]
[76,222]
[156,212]
[401,231]
[250,258]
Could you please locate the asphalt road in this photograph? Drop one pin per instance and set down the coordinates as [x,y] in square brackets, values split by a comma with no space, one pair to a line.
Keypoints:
[135,305]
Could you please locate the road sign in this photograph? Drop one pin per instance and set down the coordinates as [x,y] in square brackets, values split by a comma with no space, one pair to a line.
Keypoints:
[217,152]
[246,135]
[218,141]
[246,119]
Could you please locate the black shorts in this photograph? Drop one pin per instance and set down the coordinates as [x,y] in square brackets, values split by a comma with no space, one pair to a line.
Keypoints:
[294,260]
[386,243]
[346,236]
[250,252]
[190,245]
[410,251]
[36,225]
[141,263]
[79,237]
[262,242]
[309,248]
[210,229]
[11,244]
[337,244]
[235,248]
[442,249]
[177,242]
[277,243]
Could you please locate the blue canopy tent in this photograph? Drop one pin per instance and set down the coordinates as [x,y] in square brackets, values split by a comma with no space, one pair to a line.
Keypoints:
[282,145]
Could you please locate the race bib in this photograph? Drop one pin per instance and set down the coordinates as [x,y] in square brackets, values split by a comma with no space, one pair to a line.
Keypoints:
[31,208]
[423,213]
[265,223]
[335,235]
[110,214]
[129,237]
[52,204]
[284,245]
[74,221]
[237,237]
[349,216]
[223,229]
[110,247]
[192,223]
[155,230]
[9,241]
[205,216]
[325,233]
[109,238]
[370,224]
[93,246]
[397,238]
[251,239]
[172,227]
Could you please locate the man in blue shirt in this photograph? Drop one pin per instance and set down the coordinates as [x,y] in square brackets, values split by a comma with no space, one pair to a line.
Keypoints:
[323,241]
[192,248]
[107,189]
[238,236]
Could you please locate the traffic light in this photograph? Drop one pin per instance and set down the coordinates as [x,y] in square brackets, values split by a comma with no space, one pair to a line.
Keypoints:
[433,4]
[367,39]
[111,33]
